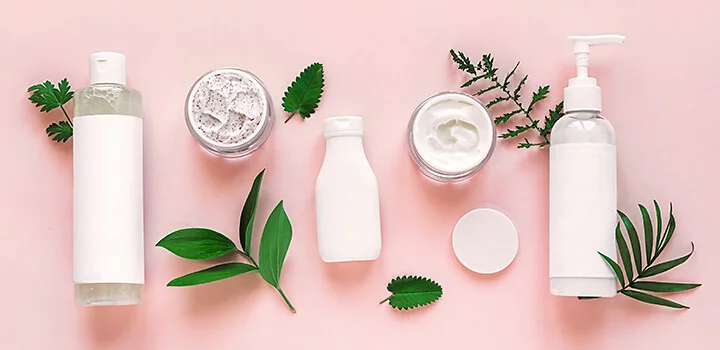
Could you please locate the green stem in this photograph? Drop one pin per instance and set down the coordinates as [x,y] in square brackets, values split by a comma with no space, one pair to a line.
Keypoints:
[66,115]
[286,299]
[291,115]
[386,299]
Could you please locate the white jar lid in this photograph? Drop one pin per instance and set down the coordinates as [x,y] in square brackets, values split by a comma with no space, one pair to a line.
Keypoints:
[485,241]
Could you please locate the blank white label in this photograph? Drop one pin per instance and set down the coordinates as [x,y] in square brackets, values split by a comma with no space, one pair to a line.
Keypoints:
[583,205]
[108,199]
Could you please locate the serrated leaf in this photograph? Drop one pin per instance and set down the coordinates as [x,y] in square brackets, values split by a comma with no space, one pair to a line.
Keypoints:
[212,274]
[59,132]
[658,218]
[624,253]
[668,265]
[506,117]
[247,218]
[197,244]
[463,62]
[497,100]
[487,89]
[304,94]
[664,287]
[651,299]
[553,116]
[615,267]
[648,229]
[516,92]
[634,240]
[506,81]
[471,81]
[409,292]
[274,245]
[48,97]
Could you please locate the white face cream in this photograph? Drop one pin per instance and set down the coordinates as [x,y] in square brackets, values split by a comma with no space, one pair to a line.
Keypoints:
[451,136]
[228,111]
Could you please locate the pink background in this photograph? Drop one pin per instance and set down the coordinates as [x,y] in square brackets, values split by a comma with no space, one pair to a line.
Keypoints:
[381,59]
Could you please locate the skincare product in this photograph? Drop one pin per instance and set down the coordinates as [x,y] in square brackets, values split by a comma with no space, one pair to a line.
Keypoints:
[583,186]
[108,187]
[451,136]
[485,241]
[229,112]
[346,194]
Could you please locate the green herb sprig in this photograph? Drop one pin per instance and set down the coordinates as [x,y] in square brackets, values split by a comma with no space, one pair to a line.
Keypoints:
[655,240]
[204,244]
[48,97]
[486,71]
[409,292]
[304,94]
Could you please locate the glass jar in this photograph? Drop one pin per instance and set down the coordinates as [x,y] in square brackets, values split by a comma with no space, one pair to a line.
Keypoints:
[451,136]
[229,112]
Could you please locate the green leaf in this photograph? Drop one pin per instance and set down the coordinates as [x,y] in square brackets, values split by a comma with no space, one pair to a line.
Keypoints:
[496,101]
[48,97]
[664,287]
[506,82]
[409,292]
[668,265]
[516,92]
[487,89]
[624,253]
[197,243]
[658,218]
[303,95]
[538,96]
[212,274]
[669,231]
[463,62]
[59,132]
[651,299]
[553,116]
[647,227]
[247,218]
[506,117]
[615,267]
[471,81]
[634,240]
[274,245]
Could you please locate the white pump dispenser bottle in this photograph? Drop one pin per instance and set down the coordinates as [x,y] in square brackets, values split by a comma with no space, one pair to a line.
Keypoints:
[583,186]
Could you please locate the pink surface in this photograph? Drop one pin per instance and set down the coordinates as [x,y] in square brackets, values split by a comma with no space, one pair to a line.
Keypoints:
[381,58]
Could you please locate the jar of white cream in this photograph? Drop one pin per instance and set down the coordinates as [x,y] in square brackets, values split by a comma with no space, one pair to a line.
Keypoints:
[229,112]
[451,136]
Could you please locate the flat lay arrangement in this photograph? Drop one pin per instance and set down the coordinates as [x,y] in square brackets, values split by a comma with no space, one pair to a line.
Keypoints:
[451,136]
[296,191]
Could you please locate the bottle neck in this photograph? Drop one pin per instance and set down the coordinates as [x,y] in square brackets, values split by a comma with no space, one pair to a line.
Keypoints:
[584,114]
[344,146]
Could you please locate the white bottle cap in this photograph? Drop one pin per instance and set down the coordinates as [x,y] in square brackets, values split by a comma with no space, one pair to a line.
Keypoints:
[343,126]
[583,93]
[107,67]
[485,241]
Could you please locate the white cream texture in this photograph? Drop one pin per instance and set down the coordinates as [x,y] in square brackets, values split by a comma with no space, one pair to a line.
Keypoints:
[453,133]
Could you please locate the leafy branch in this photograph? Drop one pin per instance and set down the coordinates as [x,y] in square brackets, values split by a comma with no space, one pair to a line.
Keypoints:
[655,240]
[48,97]
[204,244]
[486,72]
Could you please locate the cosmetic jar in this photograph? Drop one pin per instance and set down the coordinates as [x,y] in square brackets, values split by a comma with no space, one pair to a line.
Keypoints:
[229,112]
[451,136]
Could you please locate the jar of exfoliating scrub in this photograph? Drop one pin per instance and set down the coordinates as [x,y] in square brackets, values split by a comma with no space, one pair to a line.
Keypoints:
[451,136]
[229,112]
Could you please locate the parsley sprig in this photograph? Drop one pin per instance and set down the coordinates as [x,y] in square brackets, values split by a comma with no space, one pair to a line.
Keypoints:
[486,71]
[48,97]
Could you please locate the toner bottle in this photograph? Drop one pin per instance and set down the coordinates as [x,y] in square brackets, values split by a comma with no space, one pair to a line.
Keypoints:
[583,186]
[108,187]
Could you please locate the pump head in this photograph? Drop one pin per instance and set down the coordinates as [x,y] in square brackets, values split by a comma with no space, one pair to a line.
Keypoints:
[583,93]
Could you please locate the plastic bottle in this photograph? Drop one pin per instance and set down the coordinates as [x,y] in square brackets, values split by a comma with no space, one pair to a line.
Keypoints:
[347,198]
[108,187]
[583,186]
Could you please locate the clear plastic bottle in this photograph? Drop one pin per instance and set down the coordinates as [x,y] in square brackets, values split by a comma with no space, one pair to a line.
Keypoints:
[347,196]
[583,186]
[108,195]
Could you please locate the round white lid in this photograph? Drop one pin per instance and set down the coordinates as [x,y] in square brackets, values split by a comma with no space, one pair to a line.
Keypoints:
[485,241]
